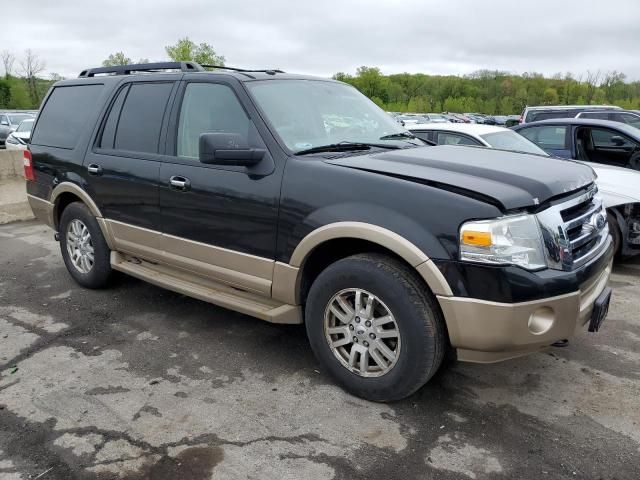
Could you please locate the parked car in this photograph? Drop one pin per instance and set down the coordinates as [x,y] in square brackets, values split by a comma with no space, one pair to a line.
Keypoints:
[546,112]
[227,186]
[19,139]
[619,187]
[629,117]
[597,141]
[9,121]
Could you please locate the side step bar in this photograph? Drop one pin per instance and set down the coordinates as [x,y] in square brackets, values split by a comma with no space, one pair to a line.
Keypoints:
[192,285]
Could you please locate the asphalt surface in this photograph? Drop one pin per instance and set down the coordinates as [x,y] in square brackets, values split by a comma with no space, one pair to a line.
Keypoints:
[138,382]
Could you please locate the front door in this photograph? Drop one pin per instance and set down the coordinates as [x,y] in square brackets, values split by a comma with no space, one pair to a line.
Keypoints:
[218,221]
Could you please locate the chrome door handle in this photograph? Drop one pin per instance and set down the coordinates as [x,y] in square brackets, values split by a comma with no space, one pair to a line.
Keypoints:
[94,169]
[179,183]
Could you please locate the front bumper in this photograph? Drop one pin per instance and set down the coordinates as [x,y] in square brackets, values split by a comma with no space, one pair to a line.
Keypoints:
[485,331]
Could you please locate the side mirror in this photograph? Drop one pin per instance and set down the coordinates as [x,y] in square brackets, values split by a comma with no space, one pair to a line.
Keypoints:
[228,149]
[617,140]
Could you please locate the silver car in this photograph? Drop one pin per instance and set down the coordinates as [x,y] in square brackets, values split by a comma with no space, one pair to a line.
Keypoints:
[9,121]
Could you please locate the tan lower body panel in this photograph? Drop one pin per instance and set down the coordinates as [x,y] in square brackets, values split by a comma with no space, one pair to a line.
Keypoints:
[41,209]
[208,290]
[487,332]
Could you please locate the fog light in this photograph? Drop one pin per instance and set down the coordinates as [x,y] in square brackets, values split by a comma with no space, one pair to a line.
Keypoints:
[541,320]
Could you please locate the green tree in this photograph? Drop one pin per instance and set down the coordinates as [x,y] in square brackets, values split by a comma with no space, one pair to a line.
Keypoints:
[119,58]
[551,96]
[185,50]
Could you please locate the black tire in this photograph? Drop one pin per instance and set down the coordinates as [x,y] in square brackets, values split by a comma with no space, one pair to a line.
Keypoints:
[614,229]
[634,161]
[100,272]
[418,317]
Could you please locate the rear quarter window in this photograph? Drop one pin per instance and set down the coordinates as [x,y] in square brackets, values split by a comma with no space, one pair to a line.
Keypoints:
[65,114]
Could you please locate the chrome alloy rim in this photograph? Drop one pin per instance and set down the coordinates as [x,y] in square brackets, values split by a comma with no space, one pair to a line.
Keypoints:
[362,332]
[79,246]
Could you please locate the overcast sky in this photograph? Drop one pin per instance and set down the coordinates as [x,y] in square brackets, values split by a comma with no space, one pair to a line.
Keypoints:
[327,36]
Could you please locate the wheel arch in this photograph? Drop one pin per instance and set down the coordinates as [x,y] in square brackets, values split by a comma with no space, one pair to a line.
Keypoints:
[332,242]
[66,193]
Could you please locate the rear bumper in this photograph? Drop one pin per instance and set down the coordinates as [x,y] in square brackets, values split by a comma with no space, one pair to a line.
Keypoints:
[484,331]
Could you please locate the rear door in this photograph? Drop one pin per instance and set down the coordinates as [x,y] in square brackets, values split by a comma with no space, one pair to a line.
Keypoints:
[124,165]
[219,221]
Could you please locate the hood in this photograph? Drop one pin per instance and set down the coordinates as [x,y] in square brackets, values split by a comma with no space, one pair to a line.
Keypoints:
[617,185]
[509,180]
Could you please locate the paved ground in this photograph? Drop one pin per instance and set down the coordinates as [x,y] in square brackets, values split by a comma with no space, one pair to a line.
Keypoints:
[137,382]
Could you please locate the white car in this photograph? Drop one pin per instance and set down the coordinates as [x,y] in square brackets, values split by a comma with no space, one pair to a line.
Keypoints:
[19,139]
[619,187]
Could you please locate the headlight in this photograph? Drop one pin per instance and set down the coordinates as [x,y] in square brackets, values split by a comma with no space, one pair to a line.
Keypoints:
[513,240]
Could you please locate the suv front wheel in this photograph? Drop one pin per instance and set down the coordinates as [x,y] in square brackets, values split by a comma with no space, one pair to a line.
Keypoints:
[374,327]
[84,249]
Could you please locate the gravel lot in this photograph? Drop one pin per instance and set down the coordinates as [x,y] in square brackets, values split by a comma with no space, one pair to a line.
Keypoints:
[138,382]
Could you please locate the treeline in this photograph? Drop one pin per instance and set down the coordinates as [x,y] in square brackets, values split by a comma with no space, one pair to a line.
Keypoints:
[21,87]
[490,92]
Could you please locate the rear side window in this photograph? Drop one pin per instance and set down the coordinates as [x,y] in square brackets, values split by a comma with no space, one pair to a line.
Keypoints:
[536,116]
[447,138]
[596,115]
[65,114]
[138,123]
[549,137]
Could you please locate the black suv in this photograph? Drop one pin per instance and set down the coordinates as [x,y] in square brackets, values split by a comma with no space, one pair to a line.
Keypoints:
[296,199]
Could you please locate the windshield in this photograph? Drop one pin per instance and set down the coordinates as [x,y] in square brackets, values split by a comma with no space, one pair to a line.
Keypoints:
[25,126]
[509,140]
[16,119]
[312,113]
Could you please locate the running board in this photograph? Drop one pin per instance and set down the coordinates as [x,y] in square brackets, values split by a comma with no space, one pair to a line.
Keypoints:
[195,286]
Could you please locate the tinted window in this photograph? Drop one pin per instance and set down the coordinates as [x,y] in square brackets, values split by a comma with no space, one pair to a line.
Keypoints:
[550,137]
[448,138]
[535,116]
[423,135]
[596,115]
[110,126]
[140,121]
[208,108]
[65,114]
[629,118]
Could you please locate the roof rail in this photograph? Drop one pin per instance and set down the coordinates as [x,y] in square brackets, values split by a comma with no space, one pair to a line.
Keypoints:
[269,71]
[142,67]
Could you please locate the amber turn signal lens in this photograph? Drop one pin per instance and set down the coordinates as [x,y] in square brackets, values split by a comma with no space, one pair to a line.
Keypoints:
[476,239]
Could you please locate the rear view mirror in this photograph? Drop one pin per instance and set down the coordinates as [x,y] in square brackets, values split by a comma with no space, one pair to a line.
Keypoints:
[228,149]
[617,140]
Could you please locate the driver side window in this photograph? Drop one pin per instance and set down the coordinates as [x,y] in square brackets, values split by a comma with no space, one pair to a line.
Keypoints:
[208,108]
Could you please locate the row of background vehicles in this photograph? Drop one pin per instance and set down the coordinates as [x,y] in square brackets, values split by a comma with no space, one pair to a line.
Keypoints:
[605,138]
[450,117]
[15,128]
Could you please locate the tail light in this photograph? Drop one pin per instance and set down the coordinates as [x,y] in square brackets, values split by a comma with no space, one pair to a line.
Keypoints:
[27,160]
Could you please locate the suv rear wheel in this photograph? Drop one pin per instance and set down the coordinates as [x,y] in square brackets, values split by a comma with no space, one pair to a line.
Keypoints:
[84,249]
[374,328]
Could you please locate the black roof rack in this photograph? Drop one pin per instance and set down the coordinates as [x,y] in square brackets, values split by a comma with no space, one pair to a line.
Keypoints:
[269,71]
[142,67]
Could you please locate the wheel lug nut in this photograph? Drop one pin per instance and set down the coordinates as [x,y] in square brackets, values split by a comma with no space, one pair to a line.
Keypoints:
[350,327]
[372,336]
[357,319]
[365,343]
[355,339]
[367,323]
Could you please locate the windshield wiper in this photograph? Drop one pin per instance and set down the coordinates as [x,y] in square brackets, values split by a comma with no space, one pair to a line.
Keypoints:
[398,136]
[345,147]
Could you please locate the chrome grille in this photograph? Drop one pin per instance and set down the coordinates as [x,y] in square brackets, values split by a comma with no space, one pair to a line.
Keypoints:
[574,231]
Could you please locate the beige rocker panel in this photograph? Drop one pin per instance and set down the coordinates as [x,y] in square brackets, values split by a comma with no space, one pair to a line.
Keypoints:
[286,278]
